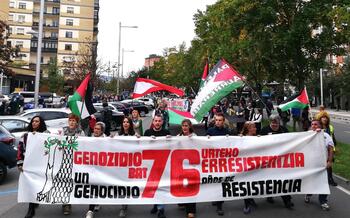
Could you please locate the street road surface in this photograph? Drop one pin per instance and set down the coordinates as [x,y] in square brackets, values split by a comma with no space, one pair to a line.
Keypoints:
[339,201]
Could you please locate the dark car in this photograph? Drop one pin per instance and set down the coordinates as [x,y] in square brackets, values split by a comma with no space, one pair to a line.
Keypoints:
[140,106]
[8,152]
[117,116]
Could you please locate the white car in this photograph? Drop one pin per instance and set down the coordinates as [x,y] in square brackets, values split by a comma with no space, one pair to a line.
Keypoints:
[54,117]
[147,101]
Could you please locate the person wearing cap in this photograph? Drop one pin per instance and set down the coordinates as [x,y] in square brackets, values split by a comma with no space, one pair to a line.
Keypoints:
[275,128]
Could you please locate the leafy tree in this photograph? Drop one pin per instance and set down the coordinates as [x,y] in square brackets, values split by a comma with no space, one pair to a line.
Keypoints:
[6,51]
[55,80]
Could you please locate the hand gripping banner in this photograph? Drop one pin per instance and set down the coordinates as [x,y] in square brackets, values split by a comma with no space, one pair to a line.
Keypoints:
[130,170]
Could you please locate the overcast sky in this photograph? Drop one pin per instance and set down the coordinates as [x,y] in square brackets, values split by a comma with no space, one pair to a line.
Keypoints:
[161,24]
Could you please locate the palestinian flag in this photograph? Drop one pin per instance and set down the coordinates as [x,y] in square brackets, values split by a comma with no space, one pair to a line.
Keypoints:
[221,81]
[205,73]
[177,116]
[147,86]
[299,100]
[81,102]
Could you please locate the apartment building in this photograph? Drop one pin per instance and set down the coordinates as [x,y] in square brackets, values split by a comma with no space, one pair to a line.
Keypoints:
[68,25]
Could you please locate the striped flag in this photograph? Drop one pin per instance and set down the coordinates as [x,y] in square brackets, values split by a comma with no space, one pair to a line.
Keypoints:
[221,81]
[177,116]
[80,103]
[299,100]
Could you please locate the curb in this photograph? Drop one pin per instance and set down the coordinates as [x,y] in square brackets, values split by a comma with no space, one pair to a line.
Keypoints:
[341,178]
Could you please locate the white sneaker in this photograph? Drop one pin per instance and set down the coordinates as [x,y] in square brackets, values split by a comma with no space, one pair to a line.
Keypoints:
[325,206]
[90,214]
[97,208]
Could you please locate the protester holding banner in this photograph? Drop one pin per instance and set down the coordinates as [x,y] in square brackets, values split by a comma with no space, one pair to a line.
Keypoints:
[249,129]
[328,128]
[137,122]
[71,130]
[187,130]
[275,128]
[218,130]
[329,144]
[157,130]
[98,131]
[37,124]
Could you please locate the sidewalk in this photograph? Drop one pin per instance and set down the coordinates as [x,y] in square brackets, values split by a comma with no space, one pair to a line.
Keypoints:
[334,114]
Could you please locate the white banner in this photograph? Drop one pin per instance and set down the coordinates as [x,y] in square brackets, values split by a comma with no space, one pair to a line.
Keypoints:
[128,170]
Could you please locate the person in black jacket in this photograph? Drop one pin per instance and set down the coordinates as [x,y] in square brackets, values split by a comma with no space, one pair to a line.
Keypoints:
[37,124]
[107,116]
[218,130]
[157,130]
[275,128]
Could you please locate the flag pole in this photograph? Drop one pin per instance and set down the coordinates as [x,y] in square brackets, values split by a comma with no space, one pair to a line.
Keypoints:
[248,85]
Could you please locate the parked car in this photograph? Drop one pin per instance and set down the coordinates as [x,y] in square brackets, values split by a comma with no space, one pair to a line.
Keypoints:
[116,114]
[120,107]
[16,125]
[6,137]
[148,101]
[8,159]
[8,152]
[54,117]
[138,105]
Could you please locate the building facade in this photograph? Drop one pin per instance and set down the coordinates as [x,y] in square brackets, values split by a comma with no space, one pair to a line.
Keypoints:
[68,26]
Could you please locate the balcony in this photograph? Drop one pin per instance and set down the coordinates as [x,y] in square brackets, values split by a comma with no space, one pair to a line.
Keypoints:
[56,13]
[44,49]
[47,2]
[46,26]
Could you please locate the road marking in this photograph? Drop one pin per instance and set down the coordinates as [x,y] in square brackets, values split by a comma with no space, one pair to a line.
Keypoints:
[7,192]
[347,131]
[344,190]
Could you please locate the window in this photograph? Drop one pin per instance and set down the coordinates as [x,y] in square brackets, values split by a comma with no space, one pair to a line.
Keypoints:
[55,10]
[10,30]
[70,10]
[12,4]
[19,44]
[55,23]
[22,5]
[69,34]
[54,35]
[69,22]
[15,125]
[34,44]
[10,17]
[9,44]
[20,31]
[21,18]
[68,47]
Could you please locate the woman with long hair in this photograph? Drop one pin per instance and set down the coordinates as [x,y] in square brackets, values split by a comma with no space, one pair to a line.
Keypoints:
[137,122]
[249,129]
[37,124]
[187,130]
[127,129]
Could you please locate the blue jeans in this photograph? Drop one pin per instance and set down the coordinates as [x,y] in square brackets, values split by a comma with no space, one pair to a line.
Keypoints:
[160,206]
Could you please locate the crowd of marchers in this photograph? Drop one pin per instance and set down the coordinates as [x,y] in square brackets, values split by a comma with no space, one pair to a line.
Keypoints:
[218,122]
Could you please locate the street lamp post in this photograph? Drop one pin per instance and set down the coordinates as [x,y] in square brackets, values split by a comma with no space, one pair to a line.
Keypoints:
[38,55]
[120,34]
[123,51]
